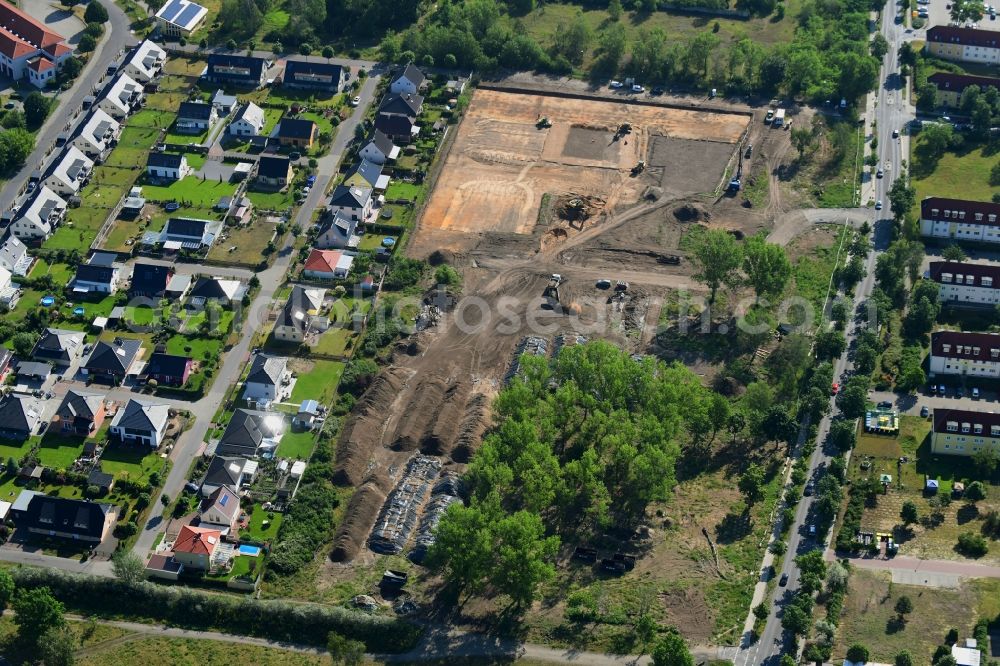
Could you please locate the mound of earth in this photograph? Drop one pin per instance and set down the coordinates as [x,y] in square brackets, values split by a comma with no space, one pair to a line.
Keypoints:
[692,213]
[362,433]
[359,517]
[572,207]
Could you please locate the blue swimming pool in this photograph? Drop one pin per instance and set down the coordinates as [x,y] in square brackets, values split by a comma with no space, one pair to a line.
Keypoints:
[252,551]
[48,301]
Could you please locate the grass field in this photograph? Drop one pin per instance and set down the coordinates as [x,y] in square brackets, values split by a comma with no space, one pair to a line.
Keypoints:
[374,241]
[334,342]
[135,461]
[196,348]
[399,190]
[59,452]
[256,530]
[869,615]
[278,201]
[250,243]
[964,175]
[192,189]
[298,445]
[318,383]
[61,273]
[194,652]
[154,117]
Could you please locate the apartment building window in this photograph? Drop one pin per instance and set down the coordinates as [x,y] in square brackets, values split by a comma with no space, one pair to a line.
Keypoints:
[945,277]
[952,426]
[966,427]
[946,348]
[987,281]
[978,429]
[970,279]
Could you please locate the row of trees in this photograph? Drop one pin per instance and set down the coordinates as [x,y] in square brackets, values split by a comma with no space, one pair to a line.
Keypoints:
[720,260]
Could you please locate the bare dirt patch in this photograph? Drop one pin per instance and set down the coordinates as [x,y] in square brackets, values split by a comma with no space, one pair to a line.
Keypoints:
[687,166]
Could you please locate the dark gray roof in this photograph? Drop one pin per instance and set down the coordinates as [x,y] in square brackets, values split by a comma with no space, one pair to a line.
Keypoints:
[165,160]
[394,124]
[224,470]
[97,274]
[296,128]
[195,110]
[222,66]
[34,369]
[309,74]
[409,105]
[273,167]
[57,344]
[354,197]
[79,404]
[266,369]
[186,226]
[367,170]
[103,259]
[114,357]
[149,279]
[209,288]
[382,142]
[102,480]
[61,514]
[138,415]
[167,364]
[246,430]
[15,413]
[413,74]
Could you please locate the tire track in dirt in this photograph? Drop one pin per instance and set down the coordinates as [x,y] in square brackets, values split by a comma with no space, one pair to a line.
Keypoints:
[774,203]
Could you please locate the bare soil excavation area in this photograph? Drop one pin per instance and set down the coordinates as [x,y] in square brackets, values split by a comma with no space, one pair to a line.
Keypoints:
[502,161]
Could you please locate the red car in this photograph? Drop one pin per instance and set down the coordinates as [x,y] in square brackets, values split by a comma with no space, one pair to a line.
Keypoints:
[835,389]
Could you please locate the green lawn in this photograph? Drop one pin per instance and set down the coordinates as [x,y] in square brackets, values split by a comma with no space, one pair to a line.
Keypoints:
[193,190]
[374,241]
[271,118]
[963,175]
[168,100]
[138,462]
[61,273]
[399,190]
[142,315]
[59,452]
[193,322]
[319,383]
[272,200]
[334,342]
[194,347]
[256,530]
[152,117]
[183,139]
[297,445]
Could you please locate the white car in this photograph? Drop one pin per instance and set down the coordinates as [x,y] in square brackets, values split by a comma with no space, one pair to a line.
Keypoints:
[636,88]
[878,205]
[616,84]
[356,101]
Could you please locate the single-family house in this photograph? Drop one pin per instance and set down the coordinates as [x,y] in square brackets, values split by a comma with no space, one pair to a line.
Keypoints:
[321,76]
[274,171]
[963,283]
[960,219]
[378,148]
[406,104]
[14,256]
[297,133]
[80,413]
[327,264]
[19,508]
[364,174]
[961,432]
[409,81]
[145,62]
[231,471]
[141,422]
[40,217]
[224,292]
[65,518]
[29,48]
[33,370]
[149,280]
[251,433]
[248,122]
[195,547]
[354,203]
[97,135]
[112,361]
[301,315]
[267,380]
[70,173]
[308,414]
[179,18]
[178,287]
[236,70]
[161,565]
[19,416]
[58,346]
[167,166]
[169,369]
[100,275]
[337,232]
[10,292]
[224,103]
[123,97]
[190,233]
[195,117]
[397,126]
[220,510]
[133,204]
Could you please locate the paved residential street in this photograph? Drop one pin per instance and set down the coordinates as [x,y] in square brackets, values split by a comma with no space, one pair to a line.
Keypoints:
[117,36]
[191,442]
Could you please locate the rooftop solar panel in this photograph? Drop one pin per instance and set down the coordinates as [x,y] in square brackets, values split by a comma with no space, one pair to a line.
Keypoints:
[187,15]
[172,9]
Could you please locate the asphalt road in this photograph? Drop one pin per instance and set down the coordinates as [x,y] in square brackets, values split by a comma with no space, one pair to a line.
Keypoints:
[191,442]
[117,37]
[890,111]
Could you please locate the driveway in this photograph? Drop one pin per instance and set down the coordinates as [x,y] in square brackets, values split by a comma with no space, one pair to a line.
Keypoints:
[213,170]
[56,17]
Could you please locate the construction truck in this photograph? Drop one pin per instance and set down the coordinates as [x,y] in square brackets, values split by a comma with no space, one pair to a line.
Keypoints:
[551,293]
[543,123]
[639,168]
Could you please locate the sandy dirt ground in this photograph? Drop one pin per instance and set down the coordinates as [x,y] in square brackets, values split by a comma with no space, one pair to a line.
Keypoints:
[501,163]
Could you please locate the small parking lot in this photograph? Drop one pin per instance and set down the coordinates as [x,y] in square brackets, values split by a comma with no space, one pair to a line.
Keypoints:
[988,401]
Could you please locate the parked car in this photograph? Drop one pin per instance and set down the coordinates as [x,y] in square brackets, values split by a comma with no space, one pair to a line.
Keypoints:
[636,88]
[878,205]
[959,392]
[603,284]
[294,155]
[356,100]
[879,173]
[885,404]
[895,134]
[924,412]
[812,530]
[808,491]
[783,581]
[835,389]
[656,91]
[616,84]
[975,393]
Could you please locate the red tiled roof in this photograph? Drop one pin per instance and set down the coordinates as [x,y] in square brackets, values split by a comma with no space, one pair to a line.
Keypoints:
[964,36]
[13,46]
[977,271]
[59,49]
[959,82]
[41,64]
[960,416]
[956,206]
[29,29]
[323,261]
[966,345]
[197,540]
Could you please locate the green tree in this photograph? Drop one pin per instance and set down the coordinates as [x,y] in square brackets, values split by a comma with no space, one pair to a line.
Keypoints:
[645,629]
[87,43]
[853,400]
[699,52]
[902,197]
[904,605]
[795,620]
[6,589]
[463,548]
[966,11]
[241,18]
[830,344]
[23,343]
[95,13]
[572,41]
[751,484]
[803,139]
[615,9]
[761,611]
[672,651]
[857,653]
[975,491]
[766,266]
[128,567]
[343,651]
[971,544]
[935,139]
[954,252]
[612,47]
[57,647]
[717,258]
[36,612]
[788,660]
[36,109]
[908,513]
[523,557]
[328,52]
[903,658]
[907,54]
[879,46]
[843,434]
